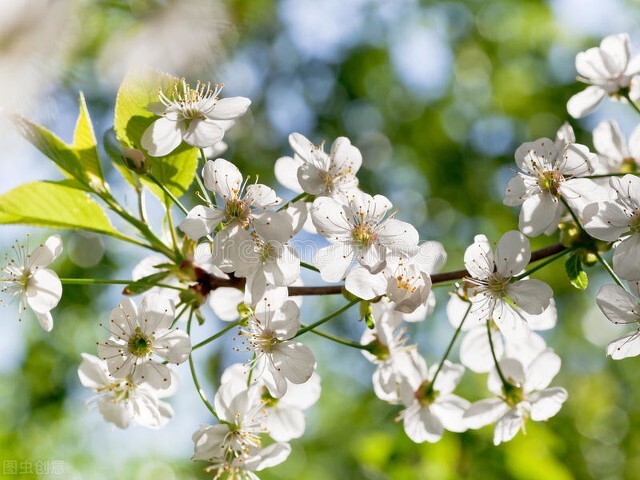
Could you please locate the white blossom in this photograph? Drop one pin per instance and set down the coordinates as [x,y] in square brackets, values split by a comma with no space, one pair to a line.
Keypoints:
[608,69]
[196,116]
[431,406]
[525,397]
[234,447]
[615,152]
[26,278]
[136,336]
[315,172]
[494,293]
[621,307]
[612,220]
[121,401]
[358,228]
[268,335]
[547,173]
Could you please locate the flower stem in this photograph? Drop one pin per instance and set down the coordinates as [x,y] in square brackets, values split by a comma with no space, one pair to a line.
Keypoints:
[172,229]
[545,263]
[168,193]
[110,281]
[215,336]
[617,174]
[574,216]
[309,267]
[448,351]
[141,207]
[609,270]
[631,102]
[201,393]
[340,340]
[293,200]
[327,318]
[493,354]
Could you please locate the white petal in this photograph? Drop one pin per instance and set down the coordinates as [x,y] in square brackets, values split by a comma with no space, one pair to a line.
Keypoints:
[475,351]
[285,424]
[334,261]
[200,222]
[512,253]
[615,53]
[478,258]
[532,156]
[45,320]
[484,412]
[222,177]
[617,305]
[114,412]
[450,410]
[515,192]
[538,213]
[286,170]
[624,347]
[541,371]
[547,403]
[532,296]
[507,427]
[43,290]
[365,285]
[585,102]
[225,301]
[229,108]
[156,313]
[155,374]
[302,146]
[294,360]
[45,253]
[172,345]
[609,141]
[203,133]
[93,372]
[329,218]
[626,258]
[448,378]
[421,425]
[161,137]
[605,220]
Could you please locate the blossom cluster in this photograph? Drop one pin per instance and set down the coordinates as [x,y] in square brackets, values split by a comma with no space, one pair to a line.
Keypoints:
[234,252]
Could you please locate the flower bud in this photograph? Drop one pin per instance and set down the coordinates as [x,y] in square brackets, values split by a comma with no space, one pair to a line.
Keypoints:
[135,160]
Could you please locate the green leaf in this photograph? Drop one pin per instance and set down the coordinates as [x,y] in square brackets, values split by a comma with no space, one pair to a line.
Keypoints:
[145,283]
[138,92]
[53,205]
[114,150]
[85,144]
[79,160]
[576,273]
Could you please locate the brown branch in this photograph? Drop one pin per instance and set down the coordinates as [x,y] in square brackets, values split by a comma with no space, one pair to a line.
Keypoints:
[209,282]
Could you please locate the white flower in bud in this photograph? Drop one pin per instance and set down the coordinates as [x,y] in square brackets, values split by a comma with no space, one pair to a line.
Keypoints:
[25,278]
[196,116]
[607,69]
[136,336]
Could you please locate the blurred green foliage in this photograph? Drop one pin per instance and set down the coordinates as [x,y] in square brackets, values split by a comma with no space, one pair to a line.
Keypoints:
[442,158]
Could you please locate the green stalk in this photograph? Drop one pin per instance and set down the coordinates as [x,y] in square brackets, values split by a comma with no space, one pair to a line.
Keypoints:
[168,193]
[215,336]
[631,102]
[495,359]
[293,200]
[109,281]
[545,263]
[210,199]
[201,393]
[327,318]
[339,340]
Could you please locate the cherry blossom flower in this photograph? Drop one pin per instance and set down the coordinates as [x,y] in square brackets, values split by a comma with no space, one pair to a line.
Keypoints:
[284,417]
[242,205]
[525,397]
[147,266]
[269,334]
[387,349]
[315,172]
[431,407]
[196,116]
[136,336]
[495,294]
[121,401]
[547,174]
[26,278]
[358,229]
[621,307]
[616,154]
[475,349]
[612,220]
[608,69]
[234,447]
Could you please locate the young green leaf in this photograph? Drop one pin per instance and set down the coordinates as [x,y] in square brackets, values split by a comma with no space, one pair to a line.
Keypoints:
[54,205]
[577,275]
[85,144]
[145,283]
[136,96]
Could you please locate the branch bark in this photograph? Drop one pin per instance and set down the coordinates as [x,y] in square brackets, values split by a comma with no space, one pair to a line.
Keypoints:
[213,282]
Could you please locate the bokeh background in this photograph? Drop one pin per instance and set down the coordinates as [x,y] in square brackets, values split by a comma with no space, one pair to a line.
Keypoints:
[437,95]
